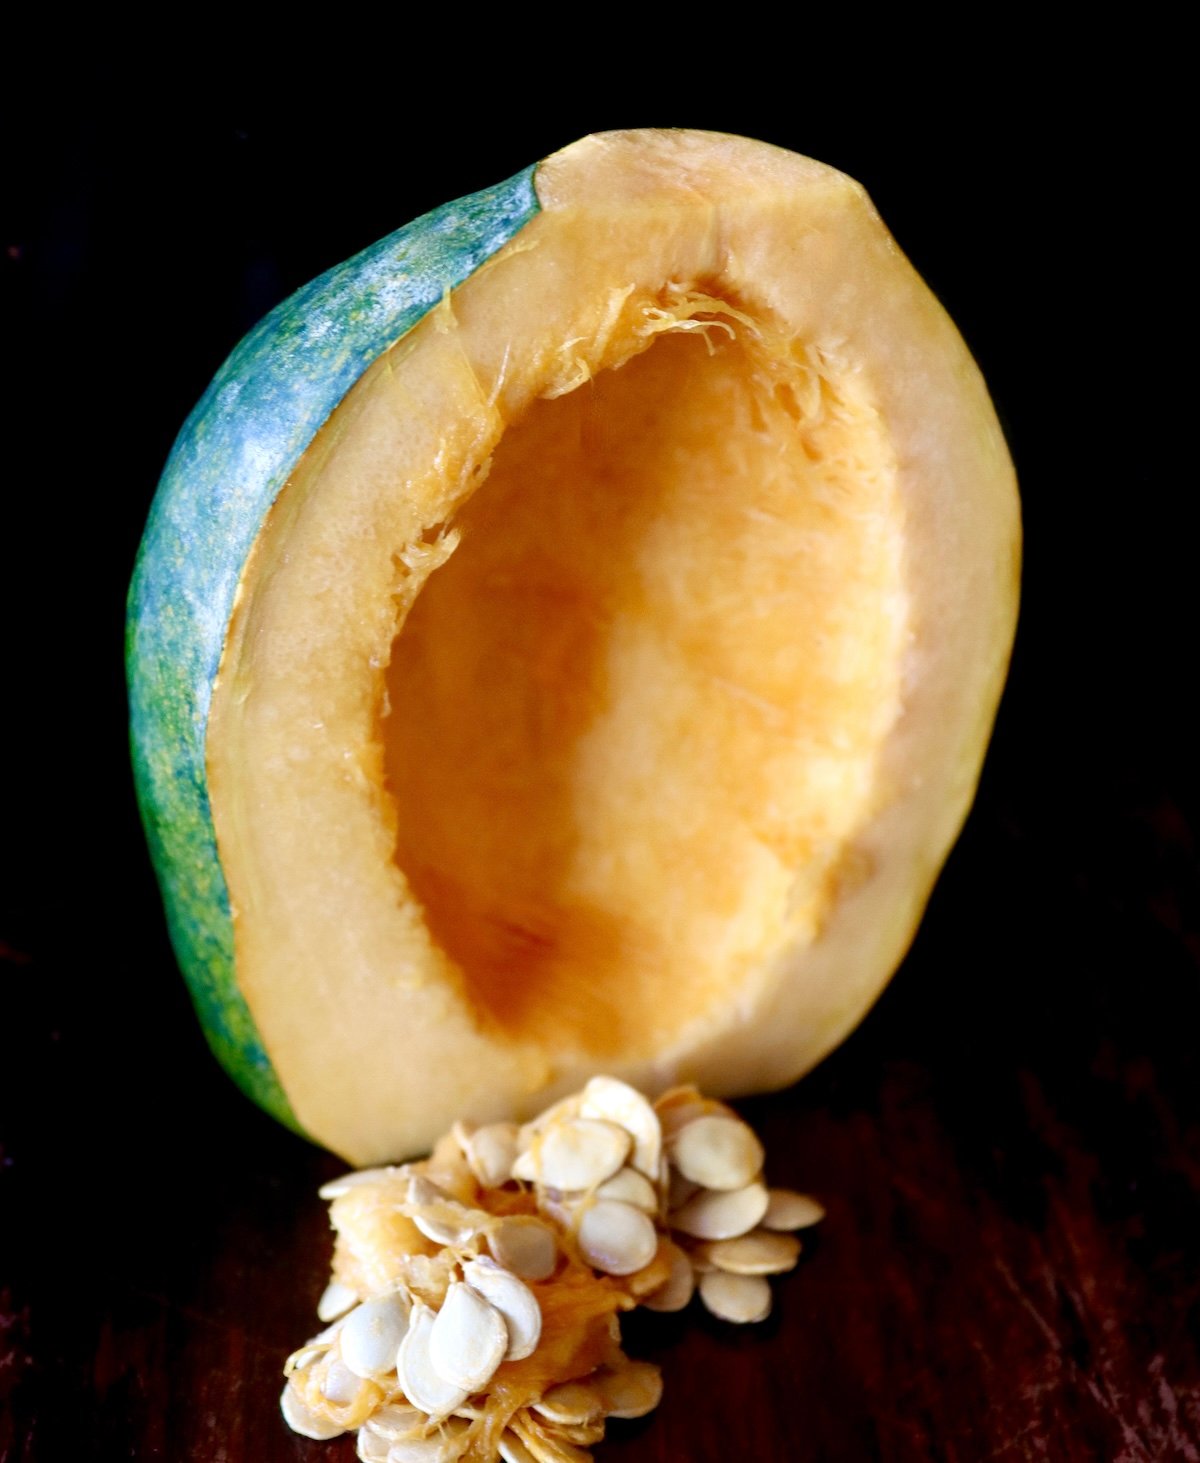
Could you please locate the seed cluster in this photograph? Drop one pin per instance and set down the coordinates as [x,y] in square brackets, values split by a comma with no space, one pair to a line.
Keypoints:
[473,1309]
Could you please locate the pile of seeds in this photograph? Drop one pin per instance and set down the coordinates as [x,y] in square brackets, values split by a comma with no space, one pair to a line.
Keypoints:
[473,1308]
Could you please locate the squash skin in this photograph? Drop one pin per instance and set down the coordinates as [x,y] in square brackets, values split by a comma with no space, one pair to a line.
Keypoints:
[229,463]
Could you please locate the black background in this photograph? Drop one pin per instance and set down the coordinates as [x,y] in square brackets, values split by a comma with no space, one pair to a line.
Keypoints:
[151,218]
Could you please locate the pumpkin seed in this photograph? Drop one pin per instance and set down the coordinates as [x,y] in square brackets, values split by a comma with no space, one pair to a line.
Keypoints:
[631,1391]
[335,1188]
[424,1192]
[371,1447]
[468,1339]
[449,1226]
[570,1403]
[680,1106]
[787,1209]
[525,1246]
[679,1287]
[574,1155]
[513,1450]
[758,1253]
[544,1445]
[420,1382]
[653,1276]
[514,1300]
[311,1351]
[303,1420]
[718,1152]
[335,1301]
[674,1097]
[395,1420]
[339,1384]
[560,1209]
[558,1112]
[617,1102]
[631,1187]
[737,1298]
[583,1433]
[440,1217]
[616,1237]
[717,1214]
[491,1152]
[372,1333]
[446,1446]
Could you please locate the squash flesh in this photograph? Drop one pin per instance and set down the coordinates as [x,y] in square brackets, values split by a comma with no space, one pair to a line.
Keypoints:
[611,893]
[634,715]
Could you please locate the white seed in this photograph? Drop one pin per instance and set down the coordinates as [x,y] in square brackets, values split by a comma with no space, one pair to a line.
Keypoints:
[546,1446]
[371,1448]
[787,1209]
[336,1300]
[677,1290]
[491,1152]
[420,1382]
[680,1106]
[560,1209]
[633,1391]
[449,1225]
[570,1403]
[713,1214]
[310,1352]
[630,1187]
[340,1385]
[395,1420]
[514,1300]
[574,1155]
[468,1339]
[525,1246]
[440,1217]
[424,1192]
[303,1358]
[303,1420]
[583,1433]
[737,1298]
[335,1188]
[558,1112]
[513,1450]
[616,1237]
[446,1446]
[758,1253]
[718,1152]
[617,1102]
[372,1333]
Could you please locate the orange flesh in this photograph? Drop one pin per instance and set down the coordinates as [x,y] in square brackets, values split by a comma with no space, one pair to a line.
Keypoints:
[644,690]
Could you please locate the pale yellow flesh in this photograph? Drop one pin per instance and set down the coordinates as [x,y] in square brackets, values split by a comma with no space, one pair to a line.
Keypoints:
[645,757]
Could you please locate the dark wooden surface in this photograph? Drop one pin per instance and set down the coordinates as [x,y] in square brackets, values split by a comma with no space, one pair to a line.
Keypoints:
[1009,1147]
[1009,1150]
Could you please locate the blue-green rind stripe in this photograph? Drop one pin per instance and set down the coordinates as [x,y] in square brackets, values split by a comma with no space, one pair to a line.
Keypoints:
[234,454]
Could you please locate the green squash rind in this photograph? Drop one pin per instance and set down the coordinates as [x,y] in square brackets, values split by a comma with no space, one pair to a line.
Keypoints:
[234,454]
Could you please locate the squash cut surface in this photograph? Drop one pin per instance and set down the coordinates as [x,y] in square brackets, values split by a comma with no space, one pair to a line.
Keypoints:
[647,689]
[610,679]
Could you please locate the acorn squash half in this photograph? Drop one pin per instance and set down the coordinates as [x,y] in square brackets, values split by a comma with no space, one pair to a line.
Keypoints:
[566,639]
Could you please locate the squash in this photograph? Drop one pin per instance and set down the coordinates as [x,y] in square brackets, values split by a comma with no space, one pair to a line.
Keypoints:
[566,639]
